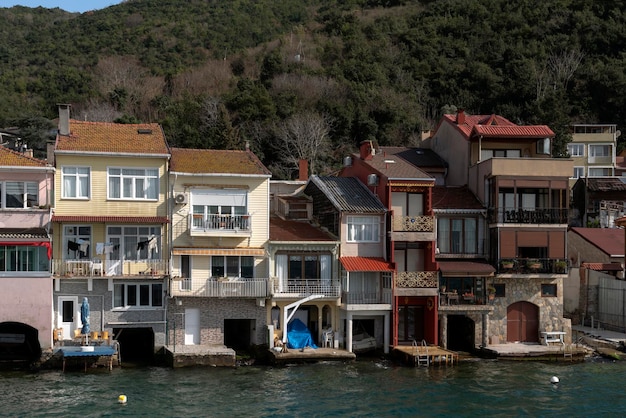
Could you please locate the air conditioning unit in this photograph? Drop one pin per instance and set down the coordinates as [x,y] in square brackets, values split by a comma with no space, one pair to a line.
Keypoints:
[181,198]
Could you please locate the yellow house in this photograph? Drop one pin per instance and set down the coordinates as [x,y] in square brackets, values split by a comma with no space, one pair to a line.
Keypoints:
[110,226]
[220,230]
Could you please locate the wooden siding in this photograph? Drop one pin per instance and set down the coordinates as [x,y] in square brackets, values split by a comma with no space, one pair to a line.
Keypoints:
[98,204]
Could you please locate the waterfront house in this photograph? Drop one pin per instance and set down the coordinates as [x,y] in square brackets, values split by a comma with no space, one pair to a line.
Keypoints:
[593,149]
[25,252]
[598,201]
[526,192]
[220,231]
[405,190]
[350,211]
[465,282]
[110,231]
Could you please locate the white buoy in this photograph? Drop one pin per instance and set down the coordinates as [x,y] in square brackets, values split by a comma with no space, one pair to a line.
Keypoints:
[122,399]
[554,380]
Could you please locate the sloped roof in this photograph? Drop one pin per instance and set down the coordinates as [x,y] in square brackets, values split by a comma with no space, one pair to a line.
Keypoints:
[113,138]
[10,158]
[455,197]
[366,264]
[604,184]
[403,163]
[608,240]
[603,266]
[292,230]
[495,126]
[23,234]
[196,161]
[348,194]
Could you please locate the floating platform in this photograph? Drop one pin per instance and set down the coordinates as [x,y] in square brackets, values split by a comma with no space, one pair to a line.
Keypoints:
[91,354]
[295,355]
[431,355]
[534,351]
[200,355]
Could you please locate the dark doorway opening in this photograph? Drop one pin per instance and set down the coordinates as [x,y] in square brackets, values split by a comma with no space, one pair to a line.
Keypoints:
[461,333]
[19,342]
[136,344]
[410,323]
[237,333]
[360,326]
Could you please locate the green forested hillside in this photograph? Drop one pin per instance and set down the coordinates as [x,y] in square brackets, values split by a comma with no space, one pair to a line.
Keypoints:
[310,79]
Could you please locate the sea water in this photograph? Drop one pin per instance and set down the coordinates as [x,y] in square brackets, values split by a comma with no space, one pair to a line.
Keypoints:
[362,388]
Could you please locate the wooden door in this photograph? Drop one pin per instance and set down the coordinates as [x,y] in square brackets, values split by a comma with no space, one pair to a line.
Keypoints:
[522,322]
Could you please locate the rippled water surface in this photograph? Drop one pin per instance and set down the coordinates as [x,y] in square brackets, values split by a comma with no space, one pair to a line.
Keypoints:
[363,388]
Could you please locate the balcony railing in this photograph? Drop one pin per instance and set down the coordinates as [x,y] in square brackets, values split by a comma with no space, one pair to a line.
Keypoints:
[416,279]
[413,223]
[366,298]
[528,216]
[532,266]
[220,223]
[306,287]
[217,288]
[97,267]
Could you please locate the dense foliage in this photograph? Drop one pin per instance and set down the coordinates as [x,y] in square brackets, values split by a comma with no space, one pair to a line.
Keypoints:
[218,74]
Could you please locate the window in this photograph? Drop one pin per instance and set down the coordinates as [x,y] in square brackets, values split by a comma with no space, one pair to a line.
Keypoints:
[548,290]
[185,272]
[232,266]
[135,242]
[485,154]
[600,171]
[500,290]
[19,194]
[543,146]
[76,242]
[220,209]
[599,150]
[579,172]
[363,228]
[133,183]
[143,295]
[309,266]
[457,236]
[576,150]
[75,182]
[18,258]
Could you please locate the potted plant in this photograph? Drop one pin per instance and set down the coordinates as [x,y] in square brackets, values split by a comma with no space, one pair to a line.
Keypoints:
[533,264]
[560,266]
[491,292]
[507,264]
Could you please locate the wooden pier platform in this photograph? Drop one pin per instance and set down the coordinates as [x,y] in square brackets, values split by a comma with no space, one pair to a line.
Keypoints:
[421,355]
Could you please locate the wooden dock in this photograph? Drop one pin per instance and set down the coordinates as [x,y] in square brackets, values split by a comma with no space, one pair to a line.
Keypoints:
[426,355]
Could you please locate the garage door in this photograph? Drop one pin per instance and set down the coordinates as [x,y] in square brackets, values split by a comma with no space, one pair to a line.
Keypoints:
[522,322]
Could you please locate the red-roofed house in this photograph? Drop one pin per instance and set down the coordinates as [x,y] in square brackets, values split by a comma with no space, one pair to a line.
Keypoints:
[526,192]
[220,230]
[110,236]
[25,252]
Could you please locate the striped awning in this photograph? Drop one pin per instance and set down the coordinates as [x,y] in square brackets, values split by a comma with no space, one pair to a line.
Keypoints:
[257,252]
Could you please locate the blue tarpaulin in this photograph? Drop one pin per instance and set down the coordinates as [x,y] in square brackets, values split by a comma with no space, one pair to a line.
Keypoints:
[298,335]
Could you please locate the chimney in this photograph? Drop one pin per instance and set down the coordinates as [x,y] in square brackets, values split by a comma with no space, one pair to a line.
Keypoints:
[64,119]
[366,150]
[460,117]
[303,170]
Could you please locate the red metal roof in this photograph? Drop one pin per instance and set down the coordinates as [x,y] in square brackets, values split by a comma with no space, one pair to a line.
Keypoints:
[290,230]
[366,264]
[602,266]
[608,240]
[112,219]
[466,269]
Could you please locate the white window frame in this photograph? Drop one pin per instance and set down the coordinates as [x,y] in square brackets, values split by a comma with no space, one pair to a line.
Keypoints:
[75,177]
[25,193]
[136,304]
[363,228]
[590,169]
[594,147]
[576,150]
[580,170]
[131,180]
[240,267]
[73,232]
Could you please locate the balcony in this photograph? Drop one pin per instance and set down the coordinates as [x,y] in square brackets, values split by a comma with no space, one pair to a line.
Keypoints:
[108,268]
[416,283]
[300,288]
[221,288]
[528,216]
[220,225]
[413,228]
[367,298]
[532,266]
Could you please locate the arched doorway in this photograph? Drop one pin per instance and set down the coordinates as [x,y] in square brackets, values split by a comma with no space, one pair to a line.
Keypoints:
[522,322]
[19,342]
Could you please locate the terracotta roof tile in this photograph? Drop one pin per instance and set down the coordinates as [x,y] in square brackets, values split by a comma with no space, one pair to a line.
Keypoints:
[291,230]
[10,158]
[496,126]
[366,264]
[455,197]
[187,160]
[608,240]
[105,137]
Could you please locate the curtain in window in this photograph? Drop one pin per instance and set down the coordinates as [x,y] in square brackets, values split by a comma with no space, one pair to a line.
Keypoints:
[470,236]
[281,271]
[443,236]
[325,269]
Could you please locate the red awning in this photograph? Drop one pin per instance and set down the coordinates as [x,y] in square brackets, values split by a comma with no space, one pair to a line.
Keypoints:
[32,244]
[366,264]
[465,269]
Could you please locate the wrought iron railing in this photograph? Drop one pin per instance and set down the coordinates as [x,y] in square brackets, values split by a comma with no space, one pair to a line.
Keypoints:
[529,216]
[532,266]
